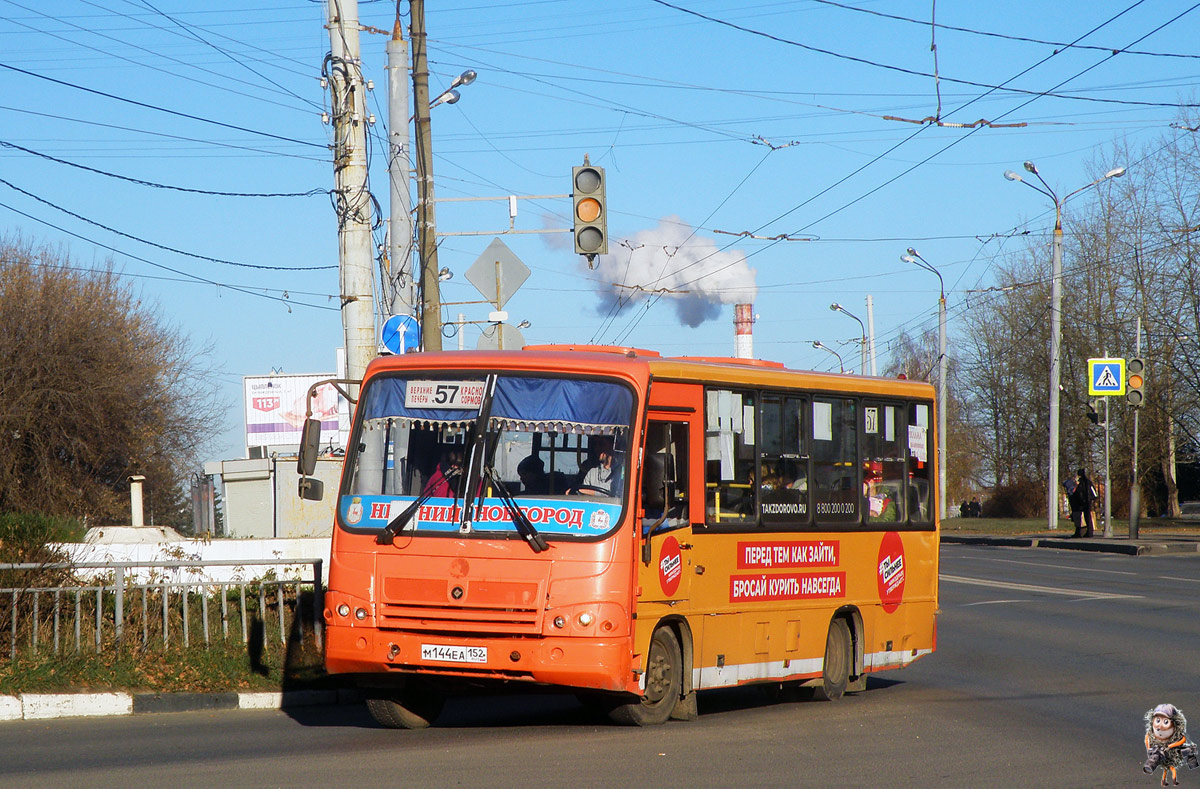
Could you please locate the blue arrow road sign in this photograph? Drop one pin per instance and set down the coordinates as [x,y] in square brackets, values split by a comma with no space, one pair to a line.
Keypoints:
[401,334]
[1106,377]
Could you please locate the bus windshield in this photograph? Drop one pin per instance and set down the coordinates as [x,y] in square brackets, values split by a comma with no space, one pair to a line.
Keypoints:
[470,445]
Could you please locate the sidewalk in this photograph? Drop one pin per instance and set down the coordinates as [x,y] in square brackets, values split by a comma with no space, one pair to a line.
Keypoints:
[1156,544]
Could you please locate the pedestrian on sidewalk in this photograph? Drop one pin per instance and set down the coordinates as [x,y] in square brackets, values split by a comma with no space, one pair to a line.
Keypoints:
[1081,500]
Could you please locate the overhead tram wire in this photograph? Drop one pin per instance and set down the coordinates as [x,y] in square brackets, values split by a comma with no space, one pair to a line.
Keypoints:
[915,73]
[1004,36]
[194,277]
[163,247]
[176,113]
[953,143]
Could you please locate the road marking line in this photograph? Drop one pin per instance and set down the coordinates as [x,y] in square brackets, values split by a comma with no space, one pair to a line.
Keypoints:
[1043,589]
[1062,567]
[1173,578]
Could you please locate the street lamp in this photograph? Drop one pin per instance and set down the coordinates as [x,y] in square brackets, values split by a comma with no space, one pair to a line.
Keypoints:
[915,258]
[839,308]
[431,302]
[1056,320]
[824,347]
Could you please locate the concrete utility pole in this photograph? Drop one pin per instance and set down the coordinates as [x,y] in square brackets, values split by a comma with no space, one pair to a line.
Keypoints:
[431,300]
[343,69]
[400,235]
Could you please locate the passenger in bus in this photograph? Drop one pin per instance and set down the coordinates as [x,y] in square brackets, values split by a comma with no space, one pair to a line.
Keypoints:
[881,506]
[536,482]
[603,479]
[446,478]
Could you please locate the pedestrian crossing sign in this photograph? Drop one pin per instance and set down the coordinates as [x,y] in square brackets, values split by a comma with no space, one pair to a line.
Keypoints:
[1106,377]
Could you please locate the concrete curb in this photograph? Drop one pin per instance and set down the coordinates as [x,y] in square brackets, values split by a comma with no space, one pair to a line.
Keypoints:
[45,706]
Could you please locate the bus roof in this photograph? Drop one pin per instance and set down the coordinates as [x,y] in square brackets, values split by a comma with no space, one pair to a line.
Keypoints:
[640,362]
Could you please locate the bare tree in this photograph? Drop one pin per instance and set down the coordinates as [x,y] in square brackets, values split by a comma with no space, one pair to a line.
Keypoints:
[95,386]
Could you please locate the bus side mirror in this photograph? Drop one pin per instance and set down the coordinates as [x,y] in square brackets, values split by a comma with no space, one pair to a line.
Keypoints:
[310,447]
[311,488]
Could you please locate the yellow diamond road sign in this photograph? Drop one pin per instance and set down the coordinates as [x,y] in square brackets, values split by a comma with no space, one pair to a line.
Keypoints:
[1106,377]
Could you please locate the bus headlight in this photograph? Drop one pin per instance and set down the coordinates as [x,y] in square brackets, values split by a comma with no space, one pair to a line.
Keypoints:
[586,619]
[360,614]
[560,621]
[343,610]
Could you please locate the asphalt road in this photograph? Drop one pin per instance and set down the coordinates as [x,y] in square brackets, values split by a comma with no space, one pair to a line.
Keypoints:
[1046,662]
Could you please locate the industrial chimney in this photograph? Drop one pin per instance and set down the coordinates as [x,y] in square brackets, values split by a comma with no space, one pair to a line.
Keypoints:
[743,324]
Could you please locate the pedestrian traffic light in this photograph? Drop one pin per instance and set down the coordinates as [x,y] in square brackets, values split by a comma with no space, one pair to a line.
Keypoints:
[1093,414]
[1135,382]
[590,215]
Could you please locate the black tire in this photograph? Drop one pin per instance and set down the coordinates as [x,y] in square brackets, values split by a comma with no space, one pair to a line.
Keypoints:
[664,684]
[835,673]
[408,708]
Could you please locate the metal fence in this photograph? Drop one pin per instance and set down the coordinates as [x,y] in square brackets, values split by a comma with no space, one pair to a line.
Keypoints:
[153,604]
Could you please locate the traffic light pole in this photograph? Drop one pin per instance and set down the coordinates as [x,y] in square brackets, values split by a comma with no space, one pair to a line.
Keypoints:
[1135,487]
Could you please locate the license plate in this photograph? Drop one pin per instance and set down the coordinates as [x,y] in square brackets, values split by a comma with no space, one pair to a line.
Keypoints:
[448,654]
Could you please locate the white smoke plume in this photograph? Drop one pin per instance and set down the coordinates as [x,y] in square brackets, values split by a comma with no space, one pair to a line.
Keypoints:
[673,262]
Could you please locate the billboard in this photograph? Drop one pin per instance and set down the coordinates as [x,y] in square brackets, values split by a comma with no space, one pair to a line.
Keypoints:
[275,409]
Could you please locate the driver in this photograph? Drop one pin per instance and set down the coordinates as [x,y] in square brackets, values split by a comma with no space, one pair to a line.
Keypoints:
[603,479]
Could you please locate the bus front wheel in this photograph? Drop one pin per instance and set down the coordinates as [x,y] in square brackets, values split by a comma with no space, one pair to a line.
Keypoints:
[413,707]
[664,683]
[836,672]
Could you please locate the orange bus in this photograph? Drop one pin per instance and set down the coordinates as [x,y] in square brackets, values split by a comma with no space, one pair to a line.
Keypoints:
[631,527]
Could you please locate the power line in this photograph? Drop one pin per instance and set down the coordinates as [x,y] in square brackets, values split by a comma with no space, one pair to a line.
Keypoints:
[140,182]
[163,247]
[160,109]
[186,274]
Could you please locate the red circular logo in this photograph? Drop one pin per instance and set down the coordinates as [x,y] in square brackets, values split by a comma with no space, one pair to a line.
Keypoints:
[891,571]
[670,566]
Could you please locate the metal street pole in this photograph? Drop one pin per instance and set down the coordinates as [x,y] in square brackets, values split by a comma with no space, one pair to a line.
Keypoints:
[1108,530]
[871,331]
[353,198]
[400,235]
[915,258]
[1056,324]
[943,368]
[1055,363]
[431,300]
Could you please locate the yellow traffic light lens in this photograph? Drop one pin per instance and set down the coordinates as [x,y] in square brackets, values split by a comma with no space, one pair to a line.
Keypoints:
[1135,382]
[588,210]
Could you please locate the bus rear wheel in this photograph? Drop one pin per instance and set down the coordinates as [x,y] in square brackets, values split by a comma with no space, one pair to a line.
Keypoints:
[664,683]
[412,707]
[836,672]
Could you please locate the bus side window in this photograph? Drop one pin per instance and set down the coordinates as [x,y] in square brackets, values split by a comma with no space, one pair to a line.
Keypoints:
[885,483]
[730,454]
[920,489]
[835,486]
[783,489]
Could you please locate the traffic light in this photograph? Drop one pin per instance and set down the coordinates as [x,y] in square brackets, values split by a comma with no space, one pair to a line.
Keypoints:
[590,214]
[1093,414]
[1135,382]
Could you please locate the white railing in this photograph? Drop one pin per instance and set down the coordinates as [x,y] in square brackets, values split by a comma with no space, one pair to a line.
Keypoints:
[51,614]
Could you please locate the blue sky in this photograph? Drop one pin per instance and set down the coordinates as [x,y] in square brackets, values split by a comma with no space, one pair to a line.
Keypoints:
[711,118]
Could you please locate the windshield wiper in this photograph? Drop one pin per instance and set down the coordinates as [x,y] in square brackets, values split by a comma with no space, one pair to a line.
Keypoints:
[519,519]
[388,535]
